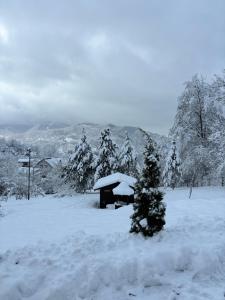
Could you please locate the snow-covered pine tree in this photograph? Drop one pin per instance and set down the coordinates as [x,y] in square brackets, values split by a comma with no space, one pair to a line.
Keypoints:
[149,210]
[172,174]
[80,171]
[128,159]
[107,159]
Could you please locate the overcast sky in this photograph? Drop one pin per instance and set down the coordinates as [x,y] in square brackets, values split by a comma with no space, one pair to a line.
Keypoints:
[118,61]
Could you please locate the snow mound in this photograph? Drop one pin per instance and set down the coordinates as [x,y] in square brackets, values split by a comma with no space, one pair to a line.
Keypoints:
[87,253]
[123,189]
[92,267]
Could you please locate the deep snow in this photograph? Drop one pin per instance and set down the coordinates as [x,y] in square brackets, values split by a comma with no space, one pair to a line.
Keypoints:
[64,249]
[114,178]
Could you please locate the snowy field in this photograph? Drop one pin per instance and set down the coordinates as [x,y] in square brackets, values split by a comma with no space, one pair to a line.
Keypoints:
[65,249]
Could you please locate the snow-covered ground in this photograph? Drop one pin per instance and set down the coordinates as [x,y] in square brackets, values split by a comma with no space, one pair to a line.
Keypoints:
[65,249]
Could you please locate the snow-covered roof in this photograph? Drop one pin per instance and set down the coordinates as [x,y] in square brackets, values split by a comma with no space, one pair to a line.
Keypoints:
[53,162]
[123,189]
[23,160]
[114,178]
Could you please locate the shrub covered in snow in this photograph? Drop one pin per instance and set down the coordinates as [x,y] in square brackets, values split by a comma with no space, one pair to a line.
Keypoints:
[149,210]
[4,189]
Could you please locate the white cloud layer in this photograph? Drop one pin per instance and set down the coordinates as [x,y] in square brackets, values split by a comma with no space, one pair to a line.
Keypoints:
[4,34]
[117,61]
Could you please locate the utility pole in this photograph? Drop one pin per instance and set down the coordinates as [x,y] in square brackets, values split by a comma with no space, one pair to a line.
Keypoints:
[28,186]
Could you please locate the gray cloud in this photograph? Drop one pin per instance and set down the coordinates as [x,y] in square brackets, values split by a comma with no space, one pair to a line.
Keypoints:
[121,62]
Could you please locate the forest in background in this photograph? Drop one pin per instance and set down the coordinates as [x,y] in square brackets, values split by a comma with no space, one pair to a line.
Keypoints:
[193,155]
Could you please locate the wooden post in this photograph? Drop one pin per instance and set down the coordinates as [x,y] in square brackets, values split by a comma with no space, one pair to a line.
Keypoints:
[28,186]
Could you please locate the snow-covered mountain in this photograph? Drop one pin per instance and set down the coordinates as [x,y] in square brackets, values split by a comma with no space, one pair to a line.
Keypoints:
[60,138]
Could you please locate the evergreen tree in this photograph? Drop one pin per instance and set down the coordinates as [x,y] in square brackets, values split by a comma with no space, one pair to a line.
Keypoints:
[107,160]
[128,159]
[79,171]
[149,210]
[172,173]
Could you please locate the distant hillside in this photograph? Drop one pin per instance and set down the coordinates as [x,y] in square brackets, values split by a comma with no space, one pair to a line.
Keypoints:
[58,139]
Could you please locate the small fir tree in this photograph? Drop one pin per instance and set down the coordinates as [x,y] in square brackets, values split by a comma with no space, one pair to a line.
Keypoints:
[107,160]
[149,210]
[172,174]
[128,159]
[79,171]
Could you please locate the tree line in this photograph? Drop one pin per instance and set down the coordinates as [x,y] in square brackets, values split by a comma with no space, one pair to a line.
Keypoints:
[83,167]
[195,153]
